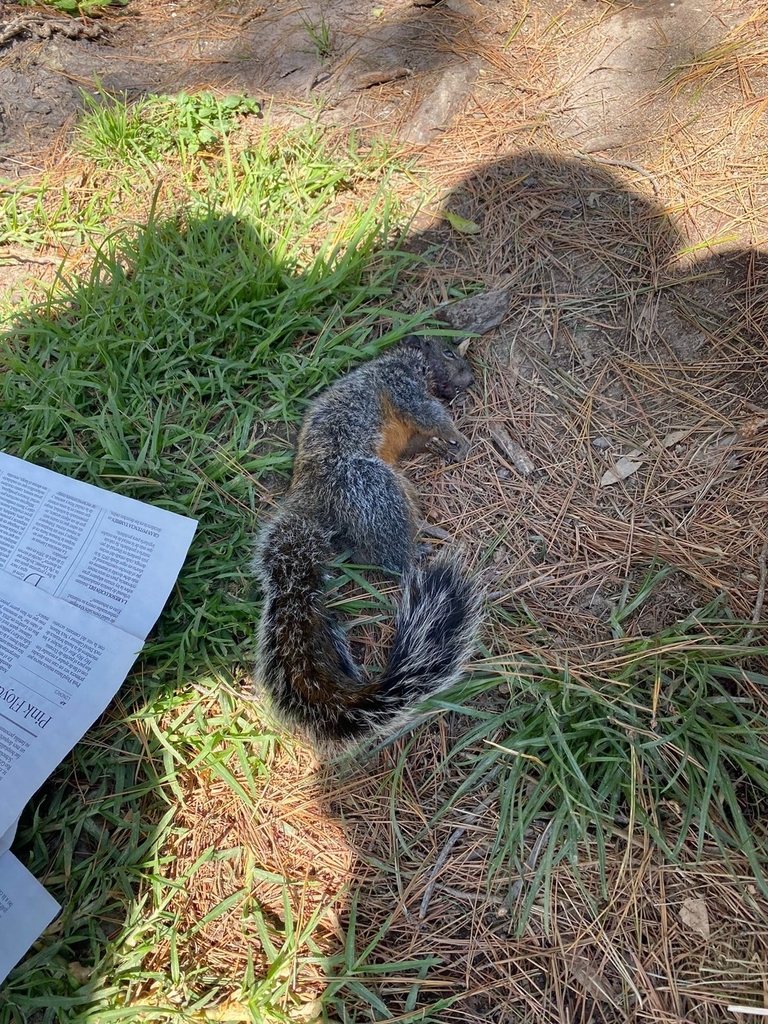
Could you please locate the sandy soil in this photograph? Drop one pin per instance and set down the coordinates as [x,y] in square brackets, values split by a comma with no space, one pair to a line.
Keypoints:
[596,71]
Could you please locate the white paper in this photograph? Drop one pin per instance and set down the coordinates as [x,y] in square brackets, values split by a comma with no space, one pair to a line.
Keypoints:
[84,574]
[26,910]
[110,556]
[59,668]
[7,837]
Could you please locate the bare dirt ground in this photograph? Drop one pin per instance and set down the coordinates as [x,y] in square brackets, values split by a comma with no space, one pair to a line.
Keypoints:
[598,73]
[614,157]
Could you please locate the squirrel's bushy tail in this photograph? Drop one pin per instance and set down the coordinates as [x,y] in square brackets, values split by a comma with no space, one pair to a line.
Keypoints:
[304,662]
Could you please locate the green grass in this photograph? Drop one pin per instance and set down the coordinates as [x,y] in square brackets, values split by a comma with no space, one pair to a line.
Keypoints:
[158,126]
[89,8]
[320,36]
[667,737]
[172,371]
[169,373]
[127,149]
[38,213]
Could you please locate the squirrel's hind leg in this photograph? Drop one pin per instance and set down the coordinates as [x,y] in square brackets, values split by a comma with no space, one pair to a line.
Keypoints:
[378,521]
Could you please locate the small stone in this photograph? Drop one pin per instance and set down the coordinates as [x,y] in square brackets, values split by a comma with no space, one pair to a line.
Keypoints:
[479,313]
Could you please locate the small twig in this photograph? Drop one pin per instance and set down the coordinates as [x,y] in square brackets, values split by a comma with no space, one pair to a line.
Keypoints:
[17,254]
[623,163]
[454,837]
[757,613]
[375,78]
[519,458]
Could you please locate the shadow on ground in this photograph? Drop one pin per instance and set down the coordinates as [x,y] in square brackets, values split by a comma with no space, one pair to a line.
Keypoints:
[618,345]
[400,68]
[615,341]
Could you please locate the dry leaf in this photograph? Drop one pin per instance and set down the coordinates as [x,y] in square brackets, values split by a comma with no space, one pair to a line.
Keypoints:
[79,972]
[694,916]
[628,464]
[622,468]
[459,223]
[674,438]
[593,981]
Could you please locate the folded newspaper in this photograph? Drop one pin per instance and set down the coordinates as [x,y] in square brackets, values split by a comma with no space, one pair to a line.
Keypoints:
[84,574]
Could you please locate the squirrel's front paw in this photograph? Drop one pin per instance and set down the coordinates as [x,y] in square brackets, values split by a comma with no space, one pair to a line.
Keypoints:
[454,449]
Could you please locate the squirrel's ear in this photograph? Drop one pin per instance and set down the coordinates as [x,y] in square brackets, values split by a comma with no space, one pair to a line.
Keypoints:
[416,342]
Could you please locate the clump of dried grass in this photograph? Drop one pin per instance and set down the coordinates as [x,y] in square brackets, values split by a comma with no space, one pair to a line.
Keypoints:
[594,947]
[629,936]
[258,866]
[614,343]
[734,60]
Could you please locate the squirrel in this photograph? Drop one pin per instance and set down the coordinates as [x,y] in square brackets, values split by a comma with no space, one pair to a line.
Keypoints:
[346,494]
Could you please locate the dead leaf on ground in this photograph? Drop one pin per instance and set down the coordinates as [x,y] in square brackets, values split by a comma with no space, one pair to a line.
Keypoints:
[461,224]
[622,468]
[694,916]
[629,464]
[593,980]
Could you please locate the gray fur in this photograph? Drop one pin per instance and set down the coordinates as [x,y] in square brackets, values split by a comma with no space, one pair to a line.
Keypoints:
[346,494]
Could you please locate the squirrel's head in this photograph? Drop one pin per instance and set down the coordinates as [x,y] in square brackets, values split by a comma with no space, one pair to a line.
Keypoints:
[448,372]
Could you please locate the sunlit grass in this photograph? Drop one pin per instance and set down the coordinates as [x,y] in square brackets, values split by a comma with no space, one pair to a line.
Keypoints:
[173,369]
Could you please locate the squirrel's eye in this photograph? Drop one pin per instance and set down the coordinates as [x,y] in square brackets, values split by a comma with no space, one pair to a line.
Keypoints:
[448,354]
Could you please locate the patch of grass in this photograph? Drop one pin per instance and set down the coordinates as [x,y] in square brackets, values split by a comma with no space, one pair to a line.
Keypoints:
[161,149]
[89,8]
[169,372]
[320,35]
[141,133]
[128,146]
[115,132]
[44,213]
[665,736]
[357,972]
